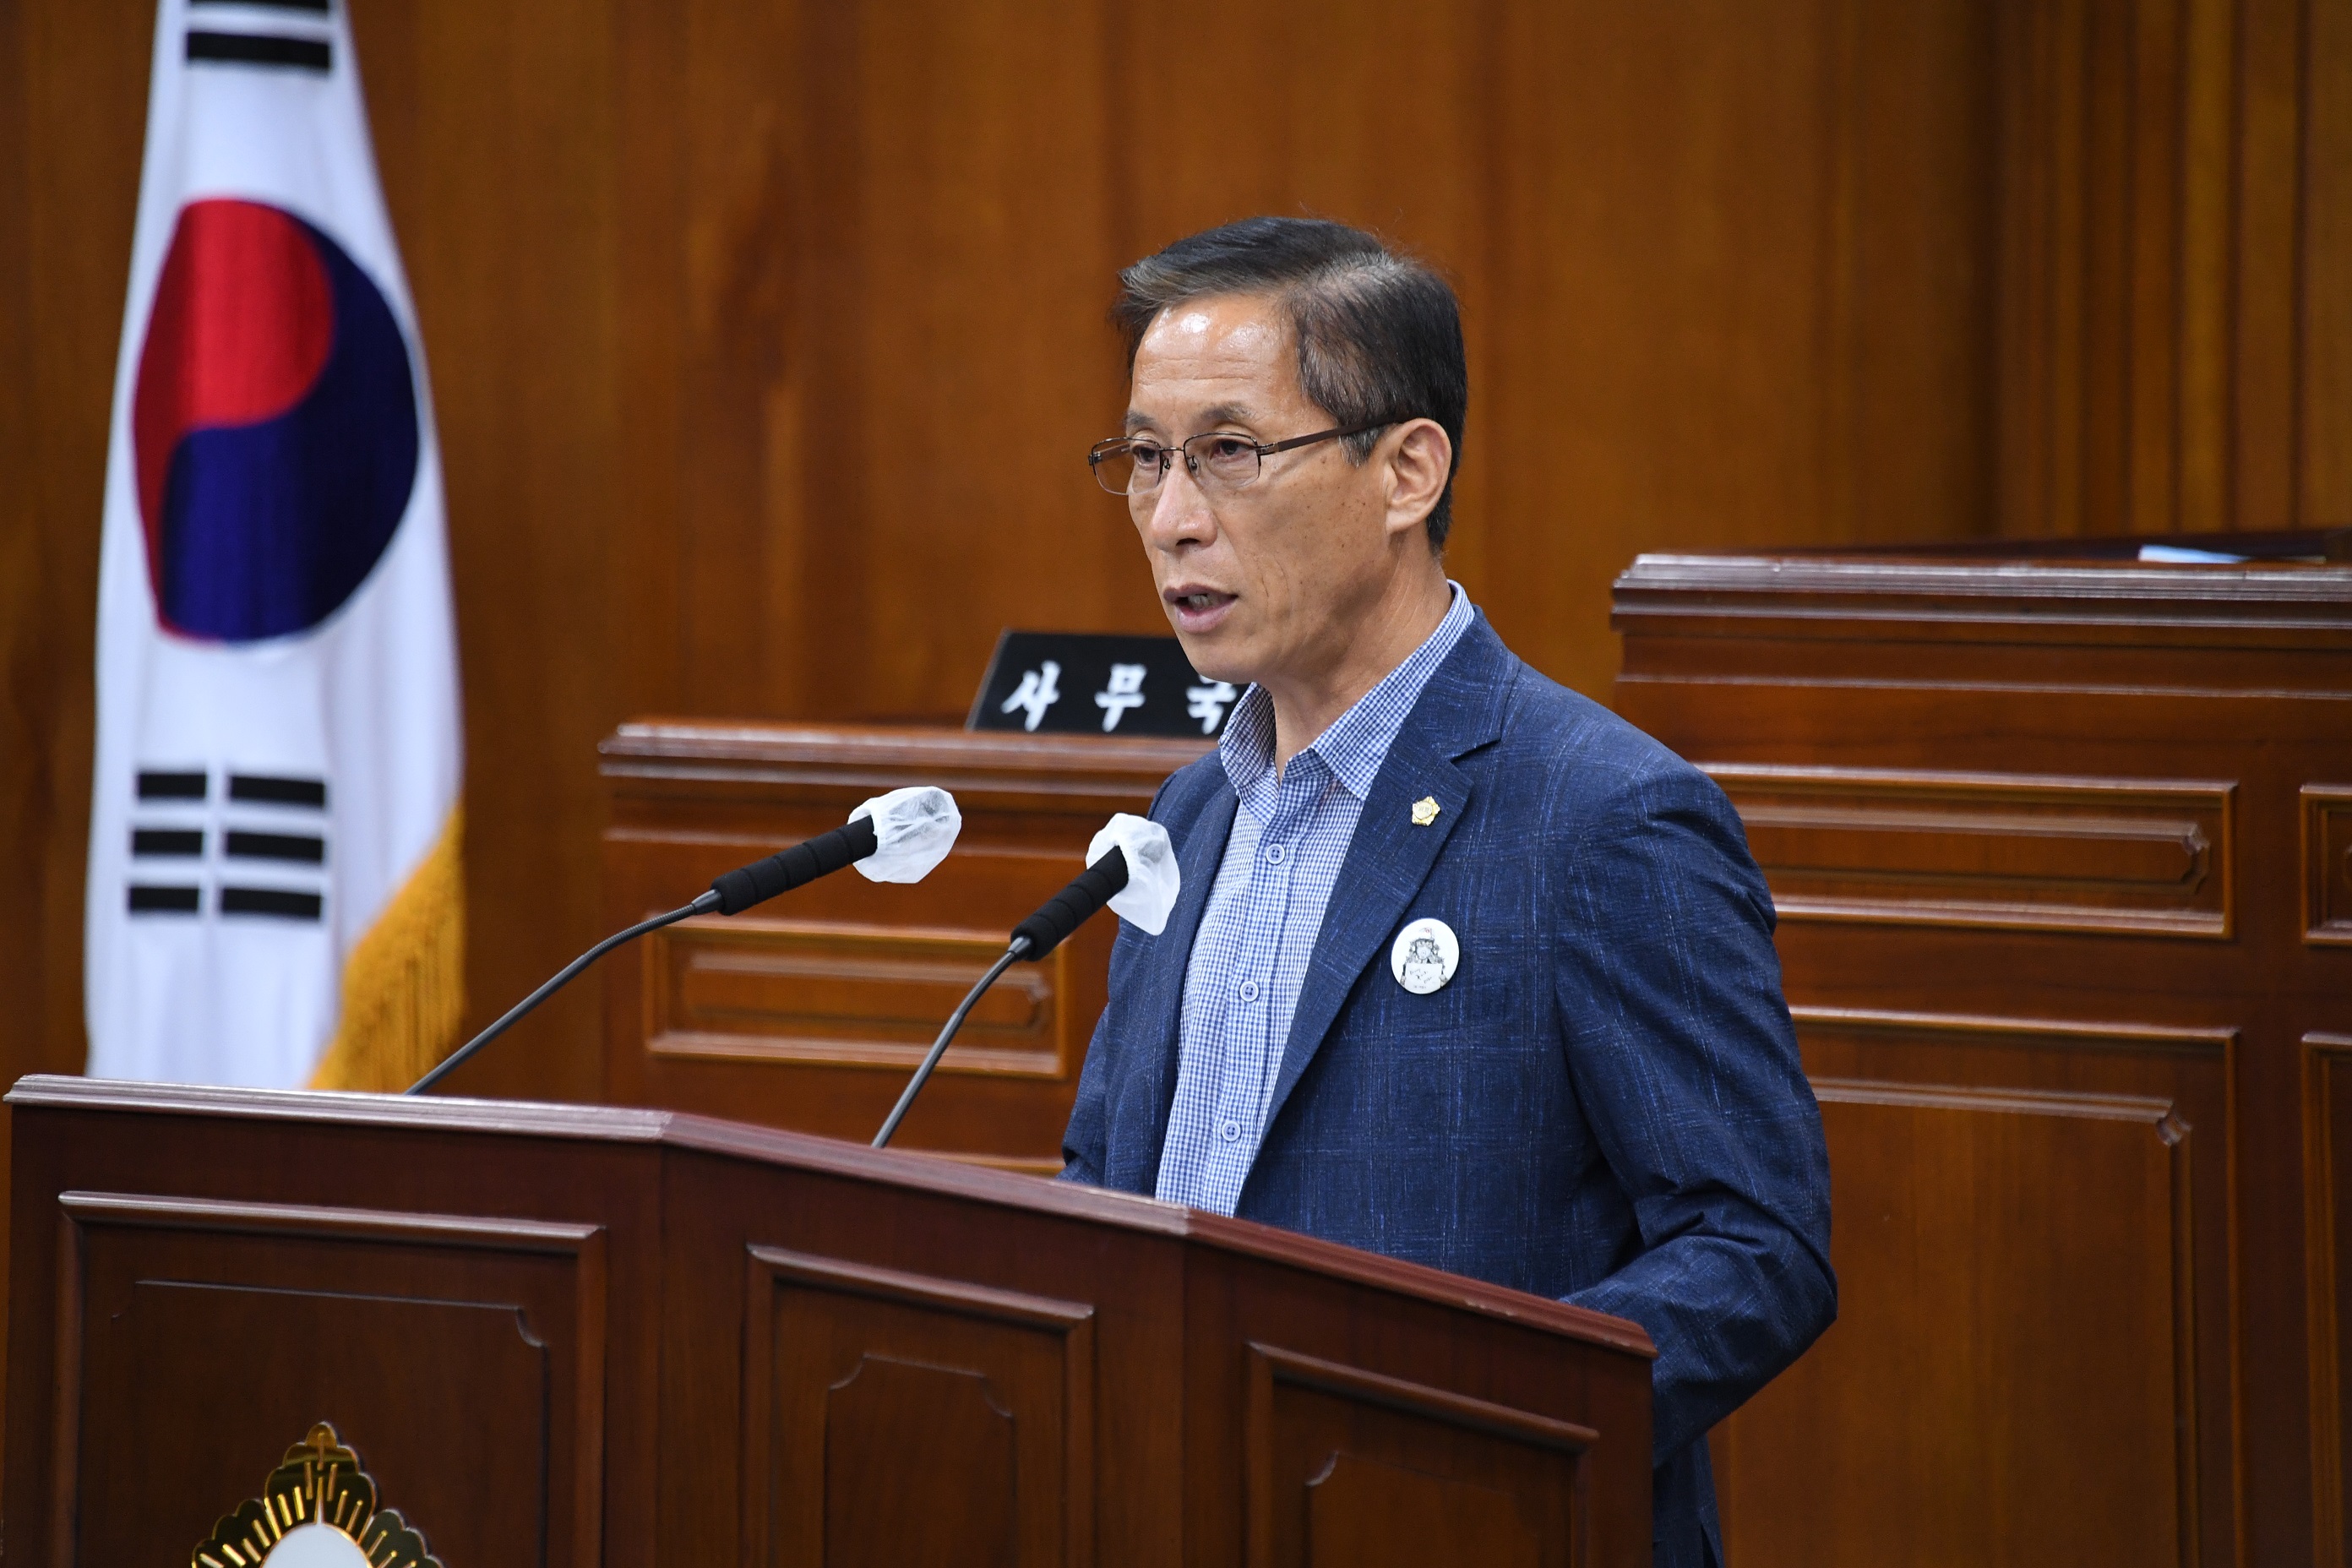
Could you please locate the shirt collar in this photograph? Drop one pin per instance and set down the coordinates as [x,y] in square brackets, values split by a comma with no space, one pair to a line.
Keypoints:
[1358,741]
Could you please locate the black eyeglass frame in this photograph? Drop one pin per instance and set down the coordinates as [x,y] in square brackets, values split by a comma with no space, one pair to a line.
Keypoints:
[1102,452]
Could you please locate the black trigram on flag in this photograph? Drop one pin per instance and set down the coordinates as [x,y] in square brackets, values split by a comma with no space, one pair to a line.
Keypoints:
[257,848]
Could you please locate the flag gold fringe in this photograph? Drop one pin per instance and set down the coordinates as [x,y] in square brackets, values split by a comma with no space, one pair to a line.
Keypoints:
[404,980]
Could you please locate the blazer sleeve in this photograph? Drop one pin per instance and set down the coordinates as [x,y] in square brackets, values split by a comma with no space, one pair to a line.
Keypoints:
[1085,1142]
[1683,1054]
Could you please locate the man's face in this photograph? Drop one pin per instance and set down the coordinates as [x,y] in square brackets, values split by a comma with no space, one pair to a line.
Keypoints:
[1263,583]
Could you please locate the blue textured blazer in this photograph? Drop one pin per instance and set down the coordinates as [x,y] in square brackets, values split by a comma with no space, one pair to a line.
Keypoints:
[1604,1105]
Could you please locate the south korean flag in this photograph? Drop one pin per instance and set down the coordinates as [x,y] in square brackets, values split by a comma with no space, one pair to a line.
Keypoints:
[274,880]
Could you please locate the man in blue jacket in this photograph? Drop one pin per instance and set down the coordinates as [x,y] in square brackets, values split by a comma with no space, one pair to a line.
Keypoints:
[1466,970]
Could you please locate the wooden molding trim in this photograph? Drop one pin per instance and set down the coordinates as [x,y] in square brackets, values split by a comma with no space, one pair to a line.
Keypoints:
[929,1291]
[2327,864]
[2076,593]
[2089,1034]
[2159,1114]
[2107,856]
[2324,1055]
[851,759]
[90,1209]
[767,982]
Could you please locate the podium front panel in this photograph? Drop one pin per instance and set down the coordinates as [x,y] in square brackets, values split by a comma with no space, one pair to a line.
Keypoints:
[498,1333]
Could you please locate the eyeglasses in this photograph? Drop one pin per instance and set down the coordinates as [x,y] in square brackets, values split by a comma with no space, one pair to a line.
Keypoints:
[1217,460]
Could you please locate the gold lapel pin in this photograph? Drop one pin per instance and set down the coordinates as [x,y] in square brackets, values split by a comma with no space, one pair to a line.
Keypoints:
[1424,811]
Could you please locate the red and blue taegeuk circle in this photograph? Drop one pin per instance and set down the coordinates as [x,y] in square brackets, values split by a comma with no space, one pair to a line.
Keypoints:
[273,423]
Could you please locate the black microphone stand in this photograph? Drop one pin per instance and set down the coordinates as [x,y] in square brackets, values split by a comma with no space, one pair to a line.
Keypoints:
[449,1063]
[729,894]
[1032,939]
[940,1046]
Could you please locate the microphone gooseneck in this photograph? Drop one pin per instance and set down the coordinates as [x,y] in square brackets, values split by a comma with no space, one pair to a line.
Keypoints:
[900,837]
[1032,939]
[562,977]
[1019,947]
[804,862]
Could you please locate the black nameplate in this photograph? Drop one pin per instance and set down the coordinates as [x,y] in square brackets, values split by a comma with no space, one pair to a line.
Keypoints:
[1080,683]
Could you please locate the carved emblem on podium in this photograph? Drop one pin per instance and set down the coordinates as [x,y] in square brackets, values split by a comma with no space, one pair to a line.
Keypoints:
[317,1510]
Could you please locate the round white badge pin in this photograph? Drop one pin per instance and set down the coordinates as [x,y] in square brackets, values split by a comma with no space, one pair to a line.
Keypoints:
[1426,955]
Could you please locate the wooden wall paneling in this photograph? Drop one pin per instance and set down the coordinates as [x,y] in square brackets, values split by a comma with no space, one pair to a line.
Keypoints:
[73,91]
[2274,79]
[1394,130]
[1794,341]
[2328,1209]
[2205,682]
[75,110]
[2039,1262]
[1932,848]
[495,135]
[2151,240]
[2324,330]
[810,1012]
[892,263]
[2327,863]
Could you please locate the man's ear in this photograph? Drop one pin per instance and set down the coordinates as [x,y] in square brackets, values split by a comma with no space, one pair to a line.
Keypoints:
[1420,456]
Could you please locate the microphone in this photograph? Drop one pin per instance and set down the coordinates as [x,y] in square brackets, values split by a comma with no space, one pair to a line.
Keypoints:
[894,837]
[1130,867]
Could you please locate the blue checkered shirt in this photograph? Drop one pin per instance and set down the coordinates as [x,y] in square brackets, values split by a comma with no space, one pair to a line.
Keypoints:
[1241,983]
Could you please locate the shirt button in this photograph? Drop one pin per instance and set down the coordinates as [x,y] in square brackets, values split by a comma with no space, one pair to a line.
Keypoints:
[1249,990]
[1275,854]
[1228,1130]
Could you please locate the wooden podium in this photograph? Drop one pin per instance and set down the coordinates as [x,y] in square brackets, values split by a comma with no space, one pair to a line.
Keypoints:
[579,1335]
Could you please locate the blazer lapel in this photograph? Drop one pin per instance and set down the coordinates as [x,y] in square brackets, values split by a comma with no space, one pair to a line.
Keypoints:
[1389,858]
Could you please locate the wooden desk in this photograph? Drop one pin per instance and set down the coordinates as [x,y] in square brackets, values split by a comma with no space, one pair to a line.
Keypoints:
[581,1335]
[810,1012]
[2060,851]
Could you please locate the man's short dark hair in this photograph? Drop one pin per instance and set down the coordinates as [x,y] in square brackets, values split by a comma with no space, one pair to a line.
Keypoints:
[1379,334]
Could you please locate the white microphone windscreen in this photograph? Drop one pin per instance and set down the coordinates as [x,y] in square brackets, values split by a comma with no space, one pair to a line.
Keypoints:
[913,831]
[1152,878]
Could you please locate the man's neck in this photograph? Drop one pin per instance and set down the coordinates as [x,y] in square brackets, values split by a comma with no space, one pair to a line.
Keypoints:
[1399,623]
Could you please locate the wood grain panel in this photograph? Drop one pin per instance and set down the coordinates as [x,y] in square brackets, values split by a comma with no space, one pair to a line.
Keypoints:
[2086,855]
[2327,1210]
[1351,1467]
[2325,334]
[2049,1421]
[808,1012]
[2040,1261]
[495,133]
[248,1321]
[2150,248]
[857,1379]
[851,996]
[2327,863]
